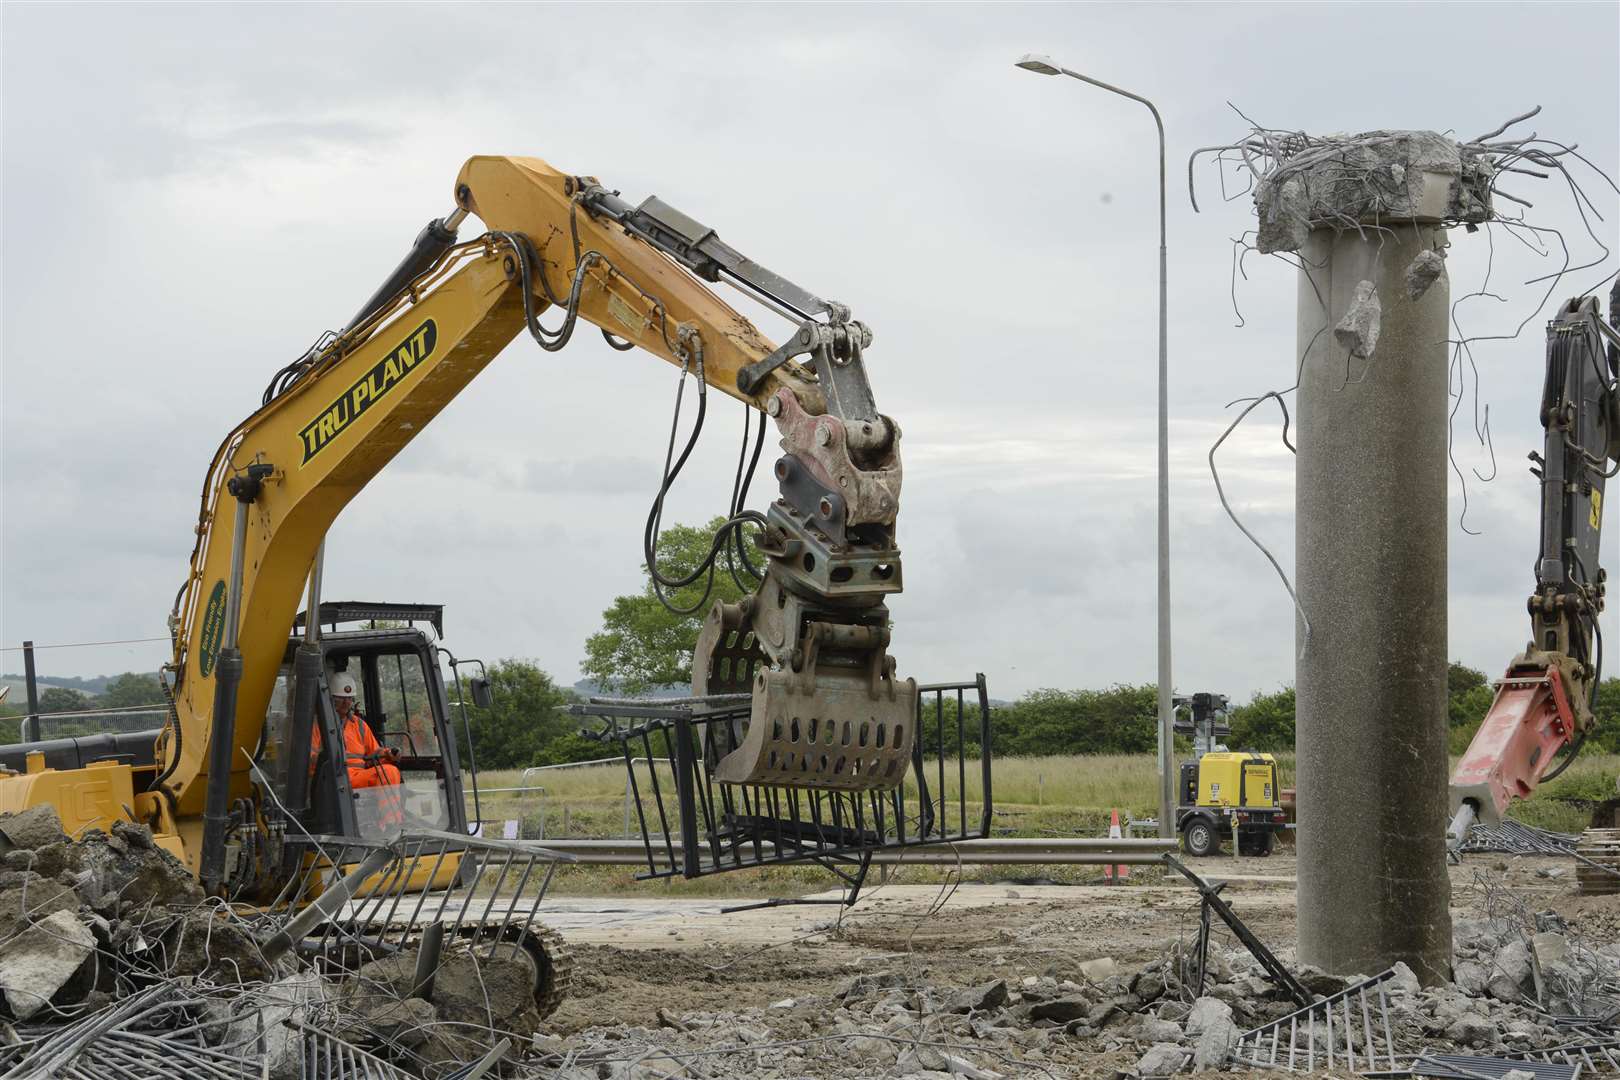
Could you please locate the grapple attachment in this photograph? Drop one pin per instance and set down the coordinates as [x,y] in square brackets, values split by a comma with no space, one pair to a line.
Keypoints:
[842,721]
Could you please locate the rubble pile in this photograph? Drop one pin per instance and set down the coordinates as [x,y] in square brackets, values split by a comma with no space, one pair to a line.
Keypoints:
[108,947]
[90,928]
[1097,1018]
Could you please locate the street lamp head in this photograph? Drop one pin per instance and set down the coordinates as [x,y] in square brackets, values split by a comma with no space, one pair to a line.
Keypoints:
[1039,63]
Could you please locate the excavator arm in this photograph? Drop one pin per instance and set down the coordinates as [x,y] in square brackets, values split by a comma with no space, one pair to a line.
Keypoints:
[1543,704]
[810,643]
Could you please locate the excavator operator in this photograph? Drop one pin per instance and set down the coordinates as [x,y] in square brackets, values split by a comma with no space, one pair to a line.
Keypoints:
[370,763]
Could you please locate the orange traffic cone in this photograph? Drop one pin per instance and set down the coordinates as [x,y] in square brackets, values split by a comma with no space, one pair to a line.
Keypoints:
[1120,872]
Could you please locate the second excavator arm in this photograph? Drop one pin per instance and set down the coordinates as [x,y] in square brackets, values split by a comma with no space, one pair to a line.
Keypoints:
[809,647]
[1543,704]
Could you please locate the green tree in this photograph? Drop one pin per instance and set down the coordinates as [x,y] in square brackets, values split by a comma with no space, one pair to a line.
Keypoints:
[130,690]
[1468,698]
[1606,736]
[1119,720]
[642,644]
[1266,723]
[523,719]
[55,699]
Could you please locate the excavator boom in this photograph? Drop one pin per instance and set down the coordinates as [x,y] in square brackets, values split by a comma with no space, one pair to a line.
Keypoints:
[811,643]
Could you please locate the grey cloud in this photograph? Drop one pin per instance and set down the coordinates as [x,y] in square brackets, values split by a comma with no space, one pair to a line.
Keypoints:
[191,193]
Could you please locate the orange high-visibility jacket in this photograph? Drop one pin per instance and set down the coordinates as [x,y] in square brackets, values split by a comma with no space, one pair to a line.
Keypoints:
[358,744]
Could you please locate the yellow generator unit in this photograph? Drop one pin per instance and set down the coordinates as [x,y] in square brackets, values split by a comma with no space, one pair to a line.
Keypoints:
[1226,788]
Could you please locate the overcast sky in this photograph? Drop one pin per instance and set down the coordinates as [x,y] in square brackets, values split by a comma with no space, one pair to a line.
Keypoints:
[192,194]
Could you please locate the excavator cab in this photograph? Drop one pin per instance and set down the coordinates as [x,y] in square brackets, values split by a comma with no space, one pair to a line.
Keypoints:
[401,697]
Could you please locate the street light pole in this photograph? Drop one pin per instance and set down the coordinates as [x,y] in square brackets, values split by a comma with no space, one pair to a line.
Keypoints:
[1043,65]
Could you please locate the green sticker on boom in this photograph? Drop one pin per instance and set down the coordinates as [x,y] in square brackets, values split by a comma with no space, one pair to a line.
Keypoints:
[213,630]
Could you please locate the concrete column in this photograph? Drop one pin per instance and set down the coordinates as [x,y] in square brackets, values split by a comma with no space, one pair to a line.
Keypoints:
[1371,527]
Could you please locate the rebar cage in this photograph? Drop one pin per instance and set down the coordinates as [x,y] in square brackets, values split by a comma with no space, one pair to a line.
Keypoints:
[693,825]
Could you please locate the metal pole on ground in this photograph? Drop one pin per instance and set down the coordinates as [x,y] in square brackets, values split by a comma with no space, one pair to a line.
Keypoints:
[1043,65]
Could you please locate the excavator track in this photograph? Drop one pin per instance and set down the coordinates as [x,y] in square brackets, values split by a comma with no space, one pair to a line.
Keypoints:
[553,963]
[543,946]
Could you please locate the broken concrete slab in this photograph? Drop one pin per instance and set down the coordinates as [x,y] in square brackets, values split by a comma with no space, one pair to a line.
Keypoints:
[41,959]
[33,828]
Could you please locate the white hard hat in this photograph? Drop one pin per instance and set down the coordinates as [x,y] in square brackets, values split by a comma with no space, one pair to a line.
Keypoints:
[340,685]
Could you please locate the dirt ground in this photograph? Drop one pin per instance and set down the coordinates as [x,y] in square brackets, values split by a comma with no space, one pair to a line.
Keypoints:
[636,956]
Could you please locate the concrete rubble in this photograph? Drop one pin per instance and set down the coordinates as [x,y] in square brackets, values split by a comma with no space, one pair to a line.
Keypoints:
[89,926]
[118,918]
[1358,329]
[878,1024]
[1423,271]
[1351,181]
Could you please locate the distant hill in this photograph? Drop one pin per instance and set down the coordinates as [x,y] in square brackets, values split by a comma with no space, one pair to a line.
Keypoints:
[93,685]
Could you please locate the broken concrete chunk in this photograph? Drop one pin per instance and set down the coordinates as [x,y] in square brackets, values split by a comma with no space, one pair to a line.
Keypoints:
[1358,330]
[1284,210]
[862,985]
[1424,271]
[406,1023]
[1215,1039]
[1551,948]
[1148,985]
[989,995]
[1152,1030]
[880,1052]
[1205,1012]
[127,865]
[34,827]
[1404,981]
[1511,972]
[1061,1010]
[271,1007]
[216,946]
[1474,1030]
[38,962]
[1162,1059]
[1095,971]
[1471,978]
[927,1059]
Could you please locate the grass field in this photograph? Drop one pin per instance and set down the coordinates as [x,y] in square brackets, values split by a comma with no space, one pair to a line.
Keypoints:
[1032,795]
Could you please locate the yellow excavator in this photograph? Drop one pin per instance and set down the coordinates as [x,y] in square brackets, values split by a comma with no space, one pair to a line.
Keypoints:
[242,764]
